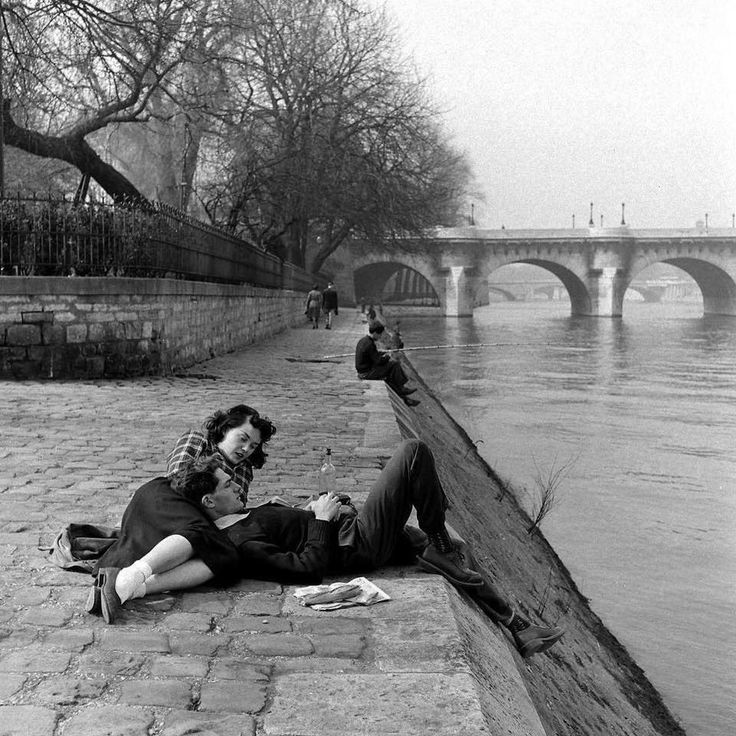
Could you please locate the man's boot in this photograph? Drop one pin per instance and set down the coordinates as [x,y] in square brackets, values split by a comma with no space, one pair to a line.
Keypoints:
[531,639]
[441,557]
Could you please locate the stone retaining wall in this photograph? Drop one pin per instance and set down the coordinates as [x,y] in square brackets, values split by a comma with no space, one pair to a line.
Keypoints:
[117,327]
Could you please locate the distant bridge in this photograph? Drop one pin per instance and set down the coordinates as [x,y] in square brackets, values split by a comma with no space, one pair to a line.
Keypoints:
[450,267]
[651,290]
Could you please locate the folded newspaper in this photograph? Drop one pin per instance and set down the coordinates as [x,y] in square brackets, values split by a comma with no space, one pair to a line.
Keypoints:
[357,592]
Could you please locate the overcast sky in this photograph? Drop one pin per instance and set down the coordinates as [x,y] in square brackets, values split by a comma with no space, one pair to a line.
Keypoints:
[562,102]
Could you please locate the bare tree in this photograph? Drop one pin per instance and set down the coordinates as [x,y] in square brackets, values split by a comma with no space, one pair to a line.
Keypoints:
[335,137]
[299,121]
[77,67]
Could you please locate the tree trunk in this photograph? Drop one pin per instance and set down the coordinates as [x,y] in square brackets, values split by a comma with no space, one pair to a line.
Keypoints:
[75,151]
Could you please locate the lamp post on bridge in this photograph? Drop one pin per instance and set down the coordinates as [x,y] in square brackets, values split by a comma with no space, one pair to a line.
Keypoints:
[590,222]
[623,219]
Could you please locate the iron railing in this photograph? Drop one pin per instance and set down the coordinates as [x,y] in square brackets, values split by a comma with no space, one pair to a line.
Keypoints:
[47,236]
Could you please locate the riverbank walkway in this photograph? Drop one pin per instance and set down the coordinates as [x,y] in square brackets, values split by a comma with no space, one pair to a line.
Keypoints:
[246,660]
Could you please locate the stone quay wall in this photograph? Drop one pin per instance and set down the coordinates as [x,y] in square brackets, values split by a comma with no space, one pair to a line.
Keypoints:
[54,327]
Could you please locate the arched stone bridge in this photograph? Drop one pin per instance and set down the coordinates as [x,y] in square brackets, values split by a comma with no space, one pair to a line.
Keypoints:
[595,265]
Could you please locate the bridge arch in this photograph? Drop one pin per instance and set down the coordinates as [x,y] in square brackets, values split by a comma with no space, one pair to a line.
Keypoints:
[392,282]
[716,284]
[510,296]
[580,300]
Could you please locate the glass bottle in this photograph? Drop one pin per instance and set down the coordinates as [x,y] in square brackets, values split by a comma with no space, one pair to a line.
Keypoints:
[327,473]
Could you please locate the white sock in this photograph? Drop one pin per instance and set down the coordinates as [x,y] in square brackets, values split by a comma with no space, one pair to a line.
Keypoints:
[139,592]
[131,578]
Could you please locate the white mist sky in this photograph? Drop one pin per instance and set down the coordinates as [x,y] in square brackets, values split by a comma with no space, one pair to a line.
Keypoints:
[559,103]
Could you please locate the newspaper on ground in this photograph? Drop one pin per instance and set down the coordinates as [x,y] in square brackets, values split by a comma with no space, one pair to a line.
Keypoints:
[356,592]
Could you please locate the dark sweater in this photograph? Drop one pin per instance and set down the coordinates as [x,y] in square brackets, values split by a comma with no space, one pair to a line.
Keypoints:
[287,545]
[367,355]
[329,299]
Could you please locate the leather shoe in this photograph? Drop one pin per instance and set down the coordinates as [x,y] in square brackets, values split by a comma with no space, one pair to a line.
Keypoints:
[407,391]
[110,604]
[93,604]
[412,402]
[535,639]
[448,564]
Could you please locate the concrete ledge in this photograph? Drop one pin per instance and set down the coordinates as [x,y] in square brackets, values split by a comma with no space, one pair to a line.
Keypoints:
[438,666]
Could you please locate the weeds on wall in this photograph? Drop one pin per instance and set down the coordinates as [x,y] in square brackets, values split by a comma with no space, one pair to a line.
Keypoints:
[546,492]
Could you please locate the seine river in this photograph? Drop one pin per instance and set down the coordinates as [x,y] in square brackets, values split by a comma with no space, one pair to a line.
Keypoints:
[643,411]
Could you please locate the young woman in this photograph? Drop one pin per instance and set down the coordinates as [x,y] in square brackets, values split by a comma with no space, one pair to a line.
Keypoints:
[314,306]
[236,437]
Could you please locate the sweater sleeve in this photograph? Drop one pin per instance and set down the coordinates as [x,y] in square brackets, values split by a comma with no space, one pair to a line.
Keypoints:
[268,561]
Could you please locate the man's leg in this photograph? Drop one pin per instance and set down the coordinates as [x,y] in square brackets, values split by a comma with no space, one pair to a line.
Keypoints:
[408,480]
[393,374]
[529,639]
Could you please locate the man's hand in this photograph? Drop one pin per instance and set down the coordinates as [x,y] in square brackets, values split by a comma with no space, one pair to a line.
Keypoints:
[326,507]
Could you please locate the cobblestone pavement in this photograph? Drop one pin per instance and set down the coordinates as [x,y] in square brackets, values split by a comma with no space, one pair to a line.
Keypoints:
[244,660]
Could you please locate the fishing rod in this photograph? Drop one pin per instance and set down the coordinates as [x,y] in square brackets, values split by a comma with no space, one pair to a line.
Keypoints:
[437,347]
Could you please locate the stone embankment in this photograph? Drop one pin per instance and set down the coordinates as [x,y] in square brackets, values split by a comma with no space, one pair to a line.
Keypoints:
[249,659]
[107,327]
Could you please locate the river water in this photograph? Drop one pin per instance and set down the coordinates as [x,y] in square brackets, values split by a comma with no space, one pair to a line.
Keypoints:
[641,411]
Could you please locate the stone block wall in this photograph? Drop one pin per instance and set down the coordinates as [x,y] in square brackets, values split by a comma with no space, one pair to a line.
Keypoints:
[118,327]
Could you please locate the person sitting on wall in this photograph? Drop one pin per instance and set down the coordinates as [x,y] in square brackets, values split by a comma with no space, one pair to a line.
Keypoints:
[375,365]
[301,546]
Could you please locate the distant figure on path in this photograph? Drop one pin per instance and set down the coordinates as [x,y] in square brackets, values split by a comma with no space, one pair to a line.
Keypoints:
[314,306]
[375,365]
[329,304]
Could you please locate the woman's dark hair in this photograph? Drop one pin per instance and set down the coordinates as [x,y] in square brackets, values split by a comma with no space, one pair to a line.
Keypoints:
[197,479]
[221,422]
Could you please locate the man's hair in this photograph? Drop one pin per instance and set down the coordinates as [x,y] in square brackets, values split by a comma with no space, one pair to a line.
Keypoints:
[376,328]
[196,480]
[221,422]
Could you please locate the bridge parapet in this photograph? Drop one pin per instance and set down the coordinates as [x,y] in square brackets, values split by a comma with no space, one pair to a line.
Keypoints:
[474,233]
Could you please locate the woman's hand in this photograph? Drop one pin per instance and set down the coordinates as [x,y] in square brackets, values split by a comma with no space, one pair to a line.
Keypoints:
[326,507]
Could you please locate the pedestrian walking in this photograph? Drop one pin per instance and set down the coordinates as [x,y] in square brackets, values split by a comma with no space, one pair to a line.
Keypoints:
[314,306]
[329,304]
